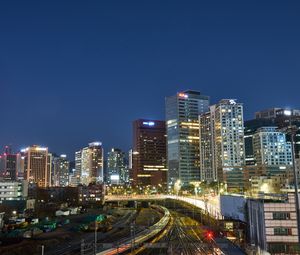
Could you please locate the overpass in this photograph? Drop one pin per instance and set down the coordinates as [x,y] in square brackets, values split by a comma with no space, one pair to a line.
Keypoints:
[211,204]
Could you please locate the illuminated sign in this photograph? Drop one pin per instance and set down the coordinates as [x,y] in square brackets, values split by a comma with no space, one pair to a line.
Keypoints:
[115,177]
[182,95]
[232,101]
[149,123]
[95,144]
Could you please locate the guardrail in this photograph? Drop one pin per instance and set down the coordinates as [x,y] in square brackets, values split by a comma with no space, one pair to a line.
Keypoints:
[209,206]
[142,237]
[111,198]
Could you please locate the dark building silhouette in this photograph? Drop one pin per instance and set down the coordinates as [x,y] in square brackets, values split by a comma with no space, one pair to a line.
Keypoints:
[149,153]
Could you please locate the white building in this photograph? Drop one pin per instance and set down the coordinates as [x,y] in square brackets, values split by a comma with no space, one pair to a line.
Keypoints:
[89,163]
[13,190]
[271,148]
[273,223]
[222,152]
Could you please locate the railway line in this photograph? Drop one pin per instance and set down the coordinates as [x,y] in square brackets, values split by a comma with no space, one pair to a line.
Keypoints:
[184,237]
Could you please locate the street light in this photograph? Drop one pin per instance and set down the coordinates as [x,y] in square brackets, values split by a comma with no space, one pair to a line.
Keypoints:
[177,186]
[292,131]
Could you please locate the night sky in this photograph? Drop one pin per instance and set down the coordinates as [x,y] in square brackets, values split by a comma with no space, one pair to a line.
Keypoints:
[72,72]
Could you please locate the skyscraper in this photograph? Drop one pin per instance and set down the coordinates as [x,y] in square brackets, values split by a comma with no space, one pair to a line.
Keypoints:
[222,143]
[89,163]
[182,111]
[61,171]
[36,165]
[76,173]
[149,152]
[116,167]
[207,173]
[9,164]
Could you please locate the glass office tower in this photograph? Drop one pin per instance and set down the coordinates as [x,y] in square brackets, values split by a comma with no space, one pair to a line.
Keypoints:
[182,111]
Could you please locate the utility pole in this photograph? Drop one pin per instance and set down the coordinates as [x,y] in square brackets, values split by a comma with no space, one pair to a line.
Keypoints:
[95,244]
[82,247]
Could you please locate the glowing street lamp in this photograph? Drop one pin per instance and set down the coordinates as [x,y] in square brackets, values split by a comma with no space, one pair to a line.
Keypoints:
[177,186]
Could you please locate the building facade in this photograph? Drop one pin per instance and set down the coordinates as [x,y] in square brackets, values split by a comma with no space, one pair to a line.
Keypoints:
[36,165]
[182,111]
[117,167]
[273,113]
[10,164]
[149,165]
[13,190]
[273,223]
[61,167]
[222,143]
[207,172]
[271,148]
[282,118]
[89,163]
[250,127]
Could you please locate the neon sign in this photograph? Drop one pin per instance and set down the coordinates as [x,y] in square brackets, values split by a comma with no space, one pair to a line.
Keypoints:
[149,123]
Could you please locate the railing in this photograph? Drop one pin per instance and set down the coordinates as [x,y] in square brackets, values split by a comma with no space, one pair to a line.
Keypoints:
[211,206]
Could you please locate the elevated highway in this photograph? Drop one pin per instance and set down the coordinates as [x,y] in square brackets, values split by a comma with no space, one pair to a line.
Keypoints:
[210,205]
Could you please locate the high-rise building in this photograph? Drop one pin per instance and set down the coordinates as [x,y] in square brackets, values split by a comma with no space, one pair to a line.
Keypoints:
[222,143]
[278,117]
[36,165]
[130,165]
[117,168]
[10,163]
[89,163]
[149,153]
[274,113]
[182,111]
[76,172]
[97,154]
[61,171]
[250,127]
[207,173]
[271,148]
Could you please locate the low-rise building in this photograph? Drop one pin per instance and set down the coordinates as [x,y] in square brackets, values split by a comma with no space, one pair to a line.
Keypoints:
[13,190]
[93,193]
[272,223]
[265,184]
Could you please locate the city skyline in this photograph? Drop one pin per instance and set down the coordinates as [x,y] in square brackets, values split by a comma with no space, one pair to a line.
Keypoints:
[68,65]
[71,153]
[149,127]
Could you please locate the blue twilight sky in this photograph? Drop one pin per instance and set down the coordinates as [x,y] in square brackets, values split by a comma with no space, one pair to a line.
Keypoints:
[76,71]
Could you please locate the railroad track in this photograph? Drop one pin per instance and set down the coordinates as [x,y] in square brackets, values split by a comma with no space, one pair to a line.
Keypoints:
[73,247]
[182,238]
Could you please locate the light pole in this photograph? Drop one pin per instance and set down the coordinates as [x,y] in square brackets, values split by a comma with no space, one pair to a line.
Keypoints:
[292,133]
